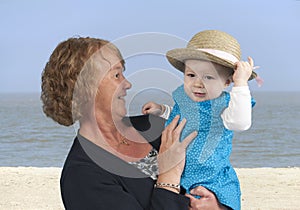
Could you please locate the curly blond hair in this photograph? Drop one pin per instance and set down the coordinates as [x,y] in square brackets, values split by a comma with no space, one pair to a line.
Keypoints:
[70,67]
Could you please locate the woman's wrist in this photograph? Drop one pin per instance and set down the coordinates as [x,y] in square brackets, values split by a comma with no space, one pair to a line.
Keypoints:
[168,186]
[168,181]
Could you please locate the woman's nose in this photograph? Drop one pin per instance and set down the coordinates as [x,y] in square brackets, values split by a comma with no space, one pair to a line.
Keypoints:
[127,84]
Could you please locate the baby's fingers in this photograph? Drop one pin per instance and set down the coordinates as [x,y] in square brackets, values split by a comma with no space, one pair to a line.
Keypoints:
[146,107]
[251,62]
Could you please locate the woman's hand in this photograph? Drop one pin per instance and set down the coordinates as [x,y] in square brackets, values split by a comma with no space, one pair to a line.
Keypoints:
[207,200]
[171,158]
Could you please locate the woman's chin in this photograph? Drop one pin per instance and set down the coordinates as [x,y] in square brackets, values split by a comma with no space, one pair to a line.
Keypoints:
[120,114]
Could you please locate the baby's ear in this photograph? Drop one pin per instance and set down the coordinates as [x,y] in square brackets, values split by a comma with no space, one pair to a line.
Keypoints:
[229,81]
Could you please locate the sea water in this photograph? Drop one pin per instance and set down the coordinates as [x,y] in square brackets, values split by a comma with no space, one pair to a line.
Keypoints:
[29,138]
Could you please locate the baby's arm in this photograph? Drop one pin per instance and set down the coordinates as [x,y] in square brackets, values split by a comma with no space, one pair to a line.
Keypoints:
[238,114]
[161,110]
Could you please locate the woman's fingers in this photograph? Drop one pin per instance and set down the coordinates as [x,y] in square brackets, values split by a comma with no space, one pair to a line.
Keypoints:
[173,124]
[167,135]
[168,132]
[206,201]
[177,131]
[172,151]
[185,143]
[201,191]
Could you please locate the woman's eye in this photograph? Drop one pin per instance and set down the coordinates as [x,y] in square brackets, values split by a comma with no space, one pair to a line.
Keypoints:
[117,75]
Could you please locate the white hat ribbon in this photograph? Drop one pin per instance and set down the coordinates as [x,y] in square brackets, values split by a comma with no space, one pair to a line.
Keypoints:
[220,54]
[229,57]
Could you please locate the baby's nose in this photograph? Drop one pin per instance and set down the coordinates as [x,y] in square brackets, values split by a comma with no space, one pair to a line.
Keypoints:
[199,82]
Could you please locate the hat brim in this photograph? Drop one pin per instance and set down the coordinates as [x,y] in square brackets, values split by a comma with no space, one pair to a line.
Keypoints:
[177,57]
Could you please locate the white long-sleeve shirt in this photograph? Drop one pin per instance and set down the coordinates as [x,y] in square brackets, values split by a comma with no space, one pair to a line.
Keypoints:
[238,115]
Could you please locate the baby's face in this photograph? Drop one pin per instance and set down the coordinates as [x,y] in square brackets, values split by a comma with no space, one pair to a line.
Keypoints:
[204,80]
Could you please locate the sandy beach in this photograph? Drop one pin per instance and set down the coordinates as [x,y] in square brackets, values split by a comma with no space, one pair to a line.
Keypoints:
[38,188]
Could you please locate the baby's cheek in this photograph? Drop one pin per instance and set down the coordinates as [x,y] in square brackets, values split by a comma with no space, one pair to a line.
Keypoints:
[215,92]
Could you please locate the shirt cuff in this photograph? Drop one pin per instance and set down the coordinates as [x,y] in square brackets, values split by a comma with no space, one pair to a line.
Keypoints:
[240,89]
[167,112]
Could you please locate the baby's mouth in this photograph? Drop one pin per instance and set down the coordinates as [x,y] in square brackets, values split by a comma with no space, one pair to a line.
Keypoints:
[199,94]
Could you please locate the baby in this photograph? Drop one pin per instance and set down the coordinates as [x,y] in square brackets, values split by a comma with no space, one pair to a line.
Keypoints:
[210,63]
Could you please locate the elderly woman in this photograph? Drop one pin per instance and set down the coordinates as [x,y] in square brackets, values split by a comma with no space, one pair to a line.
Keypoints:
[114,160]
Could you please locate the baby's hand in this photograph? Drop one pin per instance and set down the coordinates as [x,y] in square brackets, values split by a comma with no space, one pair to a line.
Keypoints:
[153,108]
[243,72]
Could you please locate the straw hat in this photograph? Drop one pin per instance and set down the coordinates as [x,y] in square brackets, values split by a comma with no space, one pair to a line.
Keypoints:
[210,45]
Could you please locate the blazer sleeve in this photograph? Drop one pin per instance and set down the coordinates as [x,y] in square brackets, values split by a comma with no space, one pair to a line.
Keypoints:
[165,200]
[83,187]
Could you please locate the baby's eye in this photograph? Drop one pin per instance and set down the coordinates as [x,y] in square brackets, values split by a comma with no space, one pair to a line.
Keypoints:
[207,77]
[190,75]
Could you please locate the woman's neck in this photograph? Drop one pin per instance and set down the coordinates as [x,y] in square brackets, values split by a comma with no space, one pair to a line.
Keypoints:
[115,136]
[98,127]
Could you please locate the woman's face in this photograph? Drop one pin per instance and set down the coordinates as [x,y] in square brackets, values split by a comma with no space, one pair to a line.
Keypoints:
[112,88]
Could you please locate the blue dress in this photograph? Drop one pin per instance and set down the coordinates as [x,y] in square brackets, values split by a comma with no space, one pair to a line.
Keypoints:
[207,158]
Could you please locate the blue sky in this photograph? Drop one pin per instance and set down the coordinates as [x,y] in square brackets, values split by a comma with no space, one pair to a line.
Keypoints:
[268,30]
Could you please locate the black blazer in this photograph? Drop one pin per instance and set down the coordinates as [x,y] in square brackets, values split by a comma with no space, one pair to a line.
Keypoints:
[93,178]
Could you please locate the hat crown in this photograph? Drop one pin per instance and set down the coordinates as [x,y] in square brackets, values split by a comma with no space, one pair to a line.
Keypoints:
[216,40]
